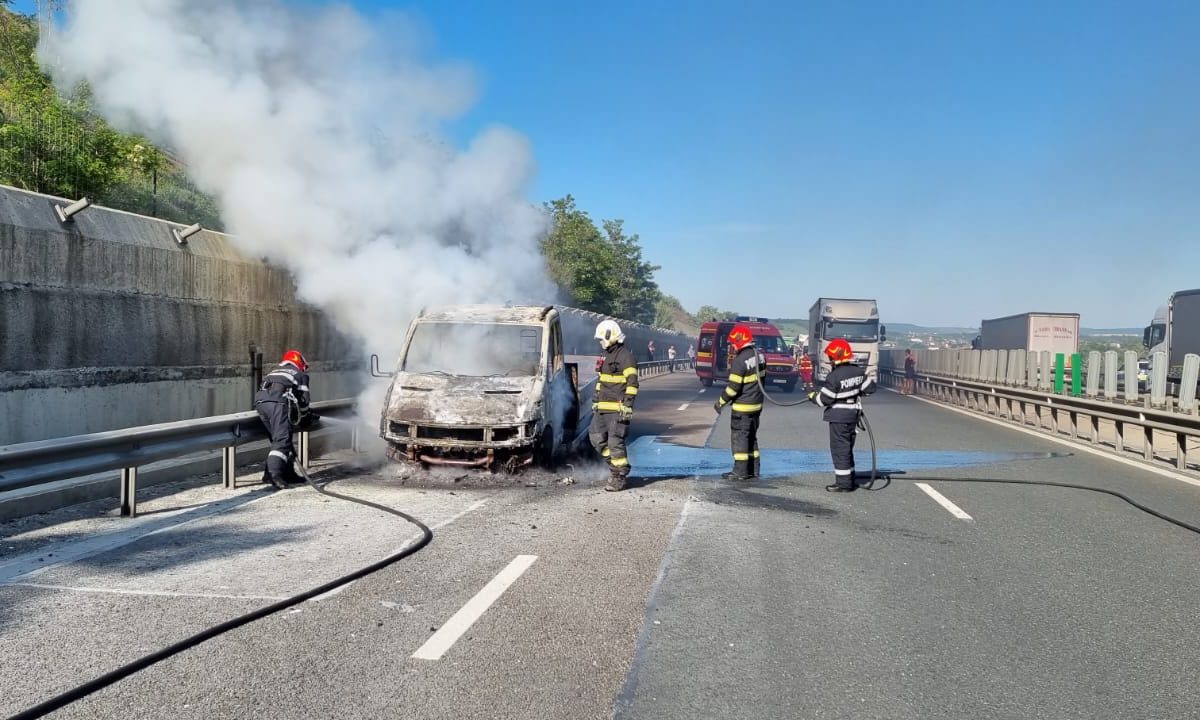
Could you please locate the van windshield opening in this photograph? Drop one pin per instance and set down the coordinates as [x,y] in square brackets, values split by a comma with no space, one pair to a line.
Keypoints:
[852,331]
[771,344]
[474,349]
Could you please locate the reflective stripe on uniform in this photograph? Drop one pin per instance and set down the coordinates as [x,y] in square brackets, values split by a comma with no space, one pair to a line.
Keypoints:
[631,390]
[279,454]
[607,378]
[736,378]
[630,371]
[747,408]
[605,452]
[731,392]
[738,457]
[757,454]
[618,462]
[607,405]
[843,473]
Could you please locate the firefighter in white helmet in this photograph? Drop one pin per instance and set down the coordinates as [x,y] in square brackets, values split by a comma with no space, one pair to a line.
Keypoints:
[612,405]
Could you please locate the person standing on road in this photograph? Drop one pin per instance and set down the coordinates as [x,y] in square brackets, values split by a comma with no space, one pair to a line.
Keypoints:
[910,374]
[841,396]
[744,391]
[282,405]
[612,405]
[650,351]
[691,355]
[671,358]
[805,365]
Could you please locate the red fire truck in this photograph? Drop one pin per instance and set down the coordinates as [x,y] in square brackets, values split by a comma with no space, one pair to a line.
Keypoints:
[713,353]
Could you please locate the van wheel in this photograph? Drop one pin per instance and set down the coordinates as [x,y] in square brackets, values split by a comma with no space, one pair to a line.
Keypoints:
[707,382]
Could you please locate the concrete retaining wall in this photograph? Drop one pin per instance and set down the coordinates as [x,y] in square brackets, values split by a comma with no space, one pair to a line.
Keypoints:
[106,322]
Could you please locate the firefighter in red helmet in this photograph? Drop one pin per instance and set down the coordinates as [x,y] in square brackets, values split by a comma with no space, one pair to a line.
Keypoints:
[282,405]
[744,392]
[841,396]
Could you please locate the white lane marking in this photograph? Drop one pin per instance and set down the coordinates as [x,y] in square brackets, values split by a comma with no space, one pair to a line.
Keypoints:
[147,593]
[1108,455]
[340,588]
[462,620]
[66,552]
[701,391]
[684,407]
[940,499]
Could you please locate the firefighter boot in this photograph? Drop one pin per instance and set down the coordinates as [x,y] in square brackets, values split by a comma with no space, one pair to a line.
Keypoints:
[616,481]
[841,483]
[754,461]
[741,471]
[290,477]
[271,480]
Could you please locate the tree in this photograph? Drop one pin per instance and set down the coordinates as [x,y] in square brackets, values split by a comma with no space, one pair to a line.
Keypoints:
[708,312]
[638,294]
[580,259]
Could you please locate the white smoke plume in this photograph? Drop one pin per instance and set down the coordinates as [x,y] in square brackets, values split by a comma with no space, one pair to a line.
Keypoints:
[320,133]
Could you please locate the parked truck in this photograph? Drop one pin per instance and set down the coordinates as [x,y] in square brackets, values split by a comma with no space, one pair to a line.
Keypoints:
[1175,331]
[854,320]
[1053,332]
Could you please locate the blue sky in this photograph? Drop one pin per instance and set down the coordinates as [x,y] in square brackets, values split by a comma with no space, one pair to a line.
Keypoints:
[954,160]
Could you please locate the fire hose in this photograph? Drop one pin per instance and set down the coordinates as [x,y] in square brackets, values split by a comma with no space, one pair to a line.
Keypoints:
[81,691]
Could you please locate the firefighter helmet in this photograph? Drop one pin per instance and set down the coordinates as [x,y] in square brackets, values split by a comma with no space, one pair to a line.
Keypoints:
[295,358]
[740,336]
[839,351]
[608,332]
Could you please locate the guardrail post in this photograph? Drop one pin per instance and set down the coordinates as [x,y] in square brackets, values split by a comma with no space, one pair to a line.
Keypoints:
[302,448]
[1110,375]
[1031,368]
[1093,374]
[1158,377]
[229,466]
[1076,374]
[129,492]
[1131,369]
[1181,451]
[1045,375]
[1187,387]
[1060,361]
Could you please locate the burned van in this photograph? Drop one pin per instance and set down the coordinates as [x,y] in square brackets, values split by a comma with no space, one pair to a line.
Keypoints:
[483,386]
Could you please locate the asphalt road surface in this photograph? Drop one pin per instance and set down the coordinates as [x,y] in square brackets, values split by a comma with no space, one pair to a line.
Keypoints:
[685,596]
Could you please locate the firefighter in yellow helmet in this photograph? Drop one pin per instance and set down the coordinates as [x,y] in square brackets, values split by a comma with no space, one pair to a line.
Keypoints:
[612,405]
[744,392]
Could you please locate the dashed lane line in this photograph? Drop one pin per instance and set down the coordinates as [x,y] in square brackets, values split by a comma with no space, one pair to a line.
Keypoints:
[684,407]
[461,621]
[941,499]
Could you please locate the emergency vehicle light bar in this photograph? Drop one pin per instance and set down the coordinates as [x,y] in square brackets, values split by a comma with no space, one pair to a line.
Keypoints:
[747,318]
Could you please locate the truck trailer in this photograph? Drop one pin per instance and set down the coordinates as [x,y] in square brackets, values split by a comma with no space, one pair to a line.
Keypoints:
[1175,331]
[1053,332]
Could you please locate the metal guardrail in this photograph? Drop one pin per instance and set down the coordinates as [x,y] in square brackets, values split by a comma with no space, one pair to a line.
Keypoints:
[658,367]
[1076,418]
[43,461]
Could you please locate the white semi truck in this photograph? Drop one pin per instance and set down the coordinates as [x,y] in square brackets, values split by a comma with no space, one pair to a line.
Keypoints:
[1175,331]
[855,321]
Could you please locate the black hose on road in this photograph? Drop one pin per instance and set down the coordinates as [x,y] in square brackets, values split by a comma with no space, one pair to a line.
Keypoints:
[77,693]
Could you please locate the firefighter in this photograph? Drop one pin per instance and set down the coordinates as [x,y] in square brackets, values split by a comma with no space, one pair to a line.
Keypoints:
[805,365]
[744,391]
[612,405]
[841,396]
[282,404]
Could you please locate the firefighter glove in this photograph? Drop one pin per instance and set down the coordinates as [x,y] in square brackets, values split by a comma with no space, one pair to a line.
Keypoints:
[718,405]
[626,412]
[812,397]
